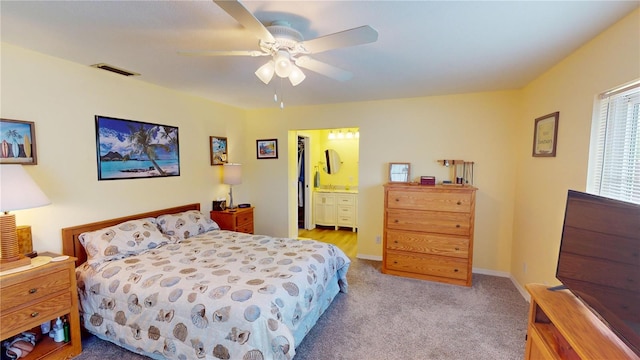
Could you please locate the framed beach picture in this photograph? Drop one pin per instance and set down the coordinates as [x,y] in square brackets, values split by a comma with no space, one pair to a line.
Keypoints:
[128,149]
[218,150]
[18,142]
[267,149]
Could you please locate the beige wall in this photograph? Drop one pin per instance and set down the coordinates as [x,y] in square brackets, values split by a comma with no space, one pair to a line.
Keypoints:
[609,60]
[62,99]
[520,200]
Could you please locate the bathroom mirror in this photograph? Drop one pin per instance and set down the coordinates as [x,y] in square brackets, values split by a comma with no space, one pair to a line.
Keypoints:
[332,161]
[399,172]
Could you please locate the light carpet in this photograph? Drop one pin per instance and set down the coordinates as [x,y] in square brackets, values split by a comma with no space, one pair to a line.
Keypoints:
[389,317]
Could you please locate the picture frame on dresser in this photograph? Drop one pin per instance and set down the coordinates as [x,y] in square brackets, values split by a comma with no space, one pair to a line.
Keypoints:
[399,172]
[18,141]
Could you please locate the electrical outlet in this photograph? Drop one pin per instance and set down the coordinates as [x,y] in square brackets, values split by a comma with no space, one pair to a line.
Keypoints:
[378,239]
[524,268]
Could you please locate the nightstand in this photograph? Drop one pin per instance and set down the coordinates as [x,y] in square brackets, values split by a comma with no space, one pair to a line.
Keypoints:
[240,220]
[32,297]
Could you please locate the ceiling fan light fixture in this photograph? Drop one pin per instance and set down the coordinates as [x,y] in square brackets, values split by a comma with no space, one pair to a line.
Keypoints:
[283,64]
[266,71]
[296,76]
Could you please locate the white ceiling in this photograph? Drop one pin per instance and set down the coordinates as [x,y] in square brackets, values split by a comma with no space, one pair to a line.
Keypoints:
[424,47]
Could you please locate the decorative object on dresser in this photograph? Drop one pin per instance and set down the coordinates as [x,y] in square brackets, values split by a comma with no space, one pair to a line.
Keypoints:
[428,232]
[19,191]
[39,296]
[218,150]
[562,327]
[240,220]
[232,175]
[462,172]
[399,172]
[18,142]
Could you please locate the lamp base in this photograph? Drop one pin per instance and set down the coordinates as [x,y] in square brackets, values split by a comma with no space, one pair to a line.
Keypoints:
[8,265]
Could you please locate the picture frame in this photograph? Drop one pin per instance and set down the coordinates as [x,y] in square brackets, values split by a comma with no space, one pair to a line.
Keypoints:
[267,149]
[545,135]
[128,149]
[399,172]
[18,142]
[218,146]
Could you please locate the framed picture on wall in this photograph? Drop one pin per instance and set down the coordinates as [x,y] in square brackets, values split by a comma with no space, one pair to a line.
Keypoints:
[128,149]
[18,139]
[218,150]
[267,149]
[545,135]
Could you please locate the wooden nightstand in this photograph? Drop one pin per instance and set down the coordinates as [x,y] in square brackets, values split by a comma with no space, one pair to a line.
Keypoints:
[32,297]
[240,220]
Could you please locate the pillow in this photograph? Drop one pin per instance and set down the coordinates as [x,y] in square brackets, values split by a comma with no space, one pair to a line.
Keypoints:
[183,225]
[122,240]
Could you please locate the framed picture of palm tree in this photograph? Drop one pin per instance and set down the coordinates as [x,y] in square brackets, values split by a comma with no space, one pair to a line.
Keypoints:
[17,142]
[128,149]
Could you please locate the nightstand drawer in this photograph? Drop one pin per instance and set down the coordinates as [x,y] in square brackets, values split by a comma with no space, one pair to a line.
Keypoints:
[34,289]
[34,315]
[244,218]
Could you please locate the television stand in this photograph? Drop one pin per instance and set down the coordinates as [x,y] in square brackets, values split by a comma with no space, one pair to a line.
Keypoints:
[562,327]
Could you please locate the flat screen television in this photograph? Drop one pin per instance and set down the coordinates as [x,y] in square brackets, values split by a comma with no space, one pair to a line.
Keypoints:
[599,260]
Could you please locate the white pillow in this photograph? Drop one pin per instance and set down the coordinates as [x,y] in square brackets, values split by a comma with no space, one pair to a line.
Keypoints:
[183,225]
[122,240]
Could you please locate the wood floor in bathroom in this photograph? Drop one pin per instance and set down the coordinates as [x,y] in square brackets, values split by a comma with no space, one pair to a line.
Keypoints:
[346,239]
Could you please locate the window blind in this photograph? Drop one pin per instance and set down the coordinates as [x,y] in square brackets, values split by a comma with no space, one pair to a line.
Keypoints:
[615,153]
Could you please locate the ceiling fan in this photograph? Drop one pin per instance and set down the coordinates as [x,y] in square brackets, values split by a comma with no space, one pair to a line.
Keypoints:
[287,48]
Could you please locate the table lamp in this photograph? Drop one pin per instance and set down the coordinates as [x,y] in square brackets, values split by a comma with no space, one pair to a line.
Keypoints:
[18,191]
[231,175]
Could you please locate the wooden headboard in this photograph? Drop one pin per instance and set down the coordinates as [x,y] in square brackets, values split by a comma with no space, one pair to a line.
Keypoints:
[71,245]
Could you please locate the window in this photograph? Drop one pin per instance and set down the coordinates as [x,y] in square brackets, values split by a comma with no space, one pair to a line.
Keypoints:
[614,161]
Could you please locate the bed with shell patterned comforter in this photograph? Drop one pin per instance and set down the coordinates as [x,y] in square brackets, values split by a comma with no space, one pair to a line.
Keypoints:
[217,295]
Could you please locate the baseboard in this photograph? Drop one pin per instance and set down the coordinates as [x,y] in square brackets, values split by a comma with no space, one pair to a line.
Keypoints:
[369,257]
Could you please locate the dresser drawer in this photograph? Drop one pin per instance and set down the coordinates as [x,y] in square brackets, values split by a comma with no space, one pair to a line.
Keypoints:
[246,228]
[444,200]
[428,243]
[35,314]
[34,289]
[429,221]
[441,266]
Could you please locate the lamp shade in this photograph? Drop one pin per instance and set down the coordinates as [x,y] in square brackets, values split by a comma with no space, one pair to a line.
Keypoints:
[265,72]
[232,174]
[18,190]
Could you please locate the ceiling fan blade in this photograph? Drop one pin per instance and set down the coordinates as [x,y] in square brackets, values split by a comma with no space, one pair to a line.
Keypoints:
[245,18]
[323,68]
[222,53]
[356,36]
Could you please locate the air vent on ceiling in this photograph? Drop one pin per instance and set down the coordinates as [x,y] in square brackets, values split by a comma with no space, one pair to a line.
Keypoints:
[114,69]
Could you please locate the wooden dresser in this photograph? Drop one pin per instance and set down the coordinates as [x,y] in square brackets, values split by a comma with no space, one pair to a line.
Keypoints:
[428,232]
[240,220]
[32,297]
[562,327]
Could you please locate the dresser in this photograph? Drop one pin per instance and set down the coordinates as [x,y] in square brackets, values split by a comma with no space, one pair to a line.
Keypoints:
[337,209]
[428,232]
[240,220]
[32,297]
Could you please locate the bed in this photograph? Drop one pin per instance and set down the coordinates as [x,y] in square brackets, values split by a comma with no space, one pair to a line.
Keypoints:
[169,284]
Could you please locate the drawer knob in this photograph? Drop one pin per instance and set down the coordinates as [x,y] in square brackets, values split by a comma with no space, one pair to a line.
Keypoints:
[455,270]
[457,248]
[395,221]
[397,199]
[395,241]
[459,203]
[457,225]
[33,291]
[35,314]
